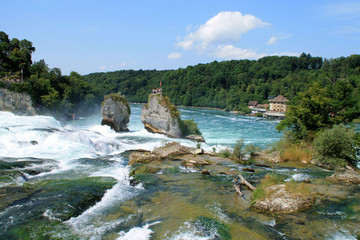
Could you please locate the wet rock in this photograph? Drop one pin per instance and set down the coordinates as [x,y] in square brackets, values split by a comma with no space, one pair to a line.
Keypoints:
[142,157]
[205,172]
[248,169]
[196,138]
[18,103]
[115,112]
[170,150]
[348,176]
[198,151]
[283,201]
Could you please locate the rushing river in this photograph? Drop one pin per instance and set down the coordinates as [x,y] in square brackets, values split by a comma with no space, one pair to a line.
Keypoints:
[71,181]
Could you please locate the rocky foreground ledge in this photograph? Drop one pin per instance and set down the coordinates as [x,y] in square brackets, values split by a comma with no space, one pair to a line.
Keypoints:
[256,187]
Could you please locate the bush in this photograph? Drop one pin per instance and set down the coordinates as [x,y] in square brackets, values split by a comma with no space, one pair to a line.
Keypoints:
[336,147]
[189,127]
[224,153]
[238,149]
[252,149]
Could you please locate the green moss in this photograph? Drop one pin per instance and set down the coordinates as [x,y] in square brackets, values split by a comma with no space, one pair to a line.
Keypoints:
[147,180]
[172,170]
[42,230]
[73,196]
[273,179]
[144,169]
[211,226]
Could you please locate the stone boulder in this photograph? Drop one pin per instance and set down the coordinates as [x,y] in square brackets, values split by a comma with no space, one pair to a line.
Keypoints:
[283,201]
[115,112]
[348,176]
[170,150]
[159,115]
[18,103]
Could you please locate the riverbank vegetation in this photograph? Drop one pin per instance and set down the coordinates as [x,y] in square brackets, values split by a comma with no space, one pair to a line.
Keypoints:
[228,85]
[51,91]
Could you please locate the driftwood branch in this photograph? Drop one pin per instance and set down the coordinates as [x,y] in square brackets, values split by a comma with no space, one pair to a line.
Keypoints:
[239,181]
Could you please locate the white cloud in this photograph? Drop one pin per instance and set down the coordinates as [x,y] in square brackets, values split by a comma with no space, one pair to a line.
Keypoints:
[102,68]
[174,55]
[229,52]
[343,9]
[225,27]
[232,52]
[273,40]
[219,36]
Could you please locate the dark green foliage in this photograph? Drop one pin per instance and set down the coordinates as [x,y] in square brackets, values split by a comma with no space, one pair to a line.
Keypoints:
[189,127]
[320,107]
[336,147]
[228,84]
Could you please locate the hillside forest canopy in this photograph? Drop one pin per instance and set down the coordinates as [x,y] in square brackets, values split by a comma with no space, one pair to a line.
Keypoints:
[228,85]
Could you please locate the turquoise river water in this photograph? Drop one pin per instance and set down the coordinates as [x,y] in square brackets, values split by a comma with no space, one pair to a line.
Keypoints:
[71,181]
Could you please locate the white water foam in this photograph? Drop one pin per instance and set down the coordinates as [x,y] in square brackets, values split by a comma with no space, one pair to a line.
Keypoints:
[137,233]
[189,232]
[298,177]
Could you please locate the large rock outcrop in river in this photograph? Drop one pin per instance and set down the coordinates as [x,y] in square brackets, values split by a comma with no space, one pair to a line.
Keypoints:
[159,115]
[18,103]
[115,111]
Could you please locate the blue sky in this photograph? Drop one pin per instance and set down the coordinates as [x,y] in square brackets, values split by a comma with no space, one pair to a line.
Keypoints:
[108,35]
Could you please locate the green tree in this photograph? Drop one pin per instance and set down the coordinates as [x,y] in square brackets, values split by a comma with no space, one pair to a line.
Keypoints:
[336,147]
[308,113]
[238,151]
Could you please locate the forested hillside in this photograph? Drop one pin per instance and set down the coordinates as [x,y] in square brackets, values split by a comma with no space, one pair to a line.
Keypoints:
[231,84]
[228,84]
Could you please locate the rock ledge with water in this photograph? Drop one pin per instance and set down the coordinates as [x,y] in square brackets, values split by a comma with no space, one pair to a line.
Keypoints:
[159,115]
[283,201]
[348,176]
[115,112]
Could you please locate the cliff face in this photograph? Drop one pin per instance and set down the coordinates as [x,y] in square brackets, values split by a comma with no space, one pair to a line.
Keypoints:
[18,103]
[159,115]
[115,111]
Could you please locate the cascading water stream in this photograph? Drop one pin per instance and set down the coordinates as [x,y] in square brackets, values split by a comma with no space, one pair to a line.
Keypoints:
[71,180]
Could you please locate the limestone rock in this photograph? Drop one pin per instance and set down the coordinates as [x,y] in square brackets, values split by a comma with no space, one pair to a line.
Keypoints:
[282,201]
[349,176]
[18,103]
[198,151]
[159,115]
[196,138]
[115,112]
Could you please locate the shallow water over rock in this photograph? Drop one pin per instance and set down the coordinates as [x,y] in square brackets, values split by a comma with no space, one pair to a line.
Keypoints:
[74,184]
